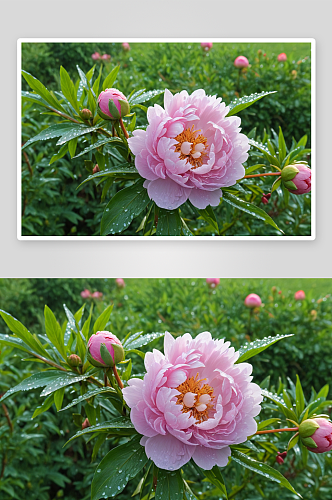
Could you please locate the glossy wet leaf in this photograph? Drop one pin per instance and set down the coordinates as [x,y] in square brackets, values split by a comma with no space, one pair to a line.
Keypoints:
[280,403]
[243,102]
[214,475]
[23,333]
[88,395]
[13,341]
[102,320]
[124,168]
[75,131]
[119,466]
[249,350]
[38,87]
[123,208]
[63,380]
[144,97]
[170,485]
[169,223]
[68,88]
[53,331]
[135,342]
[263,149]
[34,382]
[51,132]
[262,469]
[108,426]
[110,79]
[249,208]
[209,216]
[101,142]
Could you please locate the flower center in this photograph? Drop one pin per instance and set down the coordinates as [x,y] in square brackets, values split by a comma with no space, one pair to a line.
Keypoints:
[192,147]
[195,398]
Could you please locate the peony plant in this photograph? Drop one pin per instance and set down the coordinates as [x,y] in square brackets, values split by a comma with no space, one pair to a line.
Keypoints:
[189,155]
[191,408]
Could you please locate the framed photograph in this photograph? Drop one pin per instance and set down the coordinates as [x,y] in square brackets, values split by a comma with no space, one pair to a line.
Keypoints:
[166,138]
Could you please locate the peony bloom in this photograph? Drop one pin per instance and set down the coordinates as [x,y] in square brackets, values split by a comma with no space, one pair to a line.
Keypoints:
[241,62]
[206,46]
[253,300]
[120,282]
[85,294]
[104,349]
[316,431]
[282,57]
[189,150]
[193,402]
[96,295]
[302,180]
[213,282]
[118,99]
[126,46]
[299,295]
[95,56]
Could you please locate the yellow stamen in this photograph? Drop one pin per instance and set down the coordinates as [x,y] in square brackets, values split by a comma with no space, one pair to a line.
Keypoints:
[199,397]
[192,147]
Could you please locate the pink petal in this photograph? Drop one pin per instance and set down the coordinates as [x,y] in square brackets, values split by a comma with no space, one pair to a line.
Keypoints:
[209,457]
[167,193]
[167,452]
[201,198]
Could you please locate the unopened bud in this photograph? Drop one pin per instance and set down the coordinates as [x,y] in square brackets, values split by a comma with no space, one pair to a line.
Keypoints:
[86,424]
[95,169]
[86,114]
[74,360]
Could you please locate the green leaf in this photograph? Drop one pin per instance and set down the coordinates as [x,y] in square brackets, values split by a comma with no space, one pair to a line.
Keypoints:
[170,485]
[72,146]
[117,170]
[276,184]
[263,149]
[300,401]
[169,223]
[263,469]
[282,146]
[123,424]
[267,423]
[47,403]
[101,142]
[123,208]
[249,350]
[144,97]
[90,394]
[249,208]
[13,341]
[60,154]
[209,216]
[54,332]
[214,475]
[75,131]
[110,79]
[119,465]
[23,333]
[138,340]
[280,403]
[243,102]
[34,382]
[254,167]
[62,381]
[57,130]
[103,319]
[68,88]
[38,87]
[58,398]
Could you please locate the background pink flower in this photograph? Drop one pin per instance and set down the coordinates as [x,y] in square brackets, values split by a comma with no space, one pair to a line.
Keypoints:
[253,300]
[206,45]
[299,295]
[96,295]
[106,57]
[120,283]
[241,62]
[126,46]
[85,294]
[95,56]
[193,402]
[189,150]
[213,282]
[282,57]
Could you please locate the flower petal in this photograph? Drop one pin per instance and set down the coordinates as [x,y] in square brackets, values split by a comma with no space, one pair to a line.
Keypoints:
[167,452]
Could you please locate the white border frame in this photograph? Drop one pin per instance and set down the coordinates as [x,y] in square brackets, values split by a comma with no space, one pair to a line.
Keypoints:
[312,41]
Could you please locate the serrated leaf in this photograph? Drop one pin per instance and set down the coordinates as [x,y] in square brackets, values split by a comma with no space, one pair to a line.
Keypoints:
[243,102]
[169,223]
[123,208]
[144,97]
[91,394]
[257,346]
[129,458]
[170,485]
[134,343]
[262,469]
[249,208]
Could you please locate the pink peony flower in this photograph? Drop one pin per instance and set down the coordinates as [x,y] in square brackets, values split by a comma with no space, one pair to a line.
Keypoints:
[241,62]
[96,295]
[302,180]
[206,46]
[106,57]
[126,46]
[213,282]
[299,295]
[118,99]
[95,56]
[282,57]
[120,282]
[193,402]
[189,150]
[104,349]
[322,436]
[85,294]
[253,300]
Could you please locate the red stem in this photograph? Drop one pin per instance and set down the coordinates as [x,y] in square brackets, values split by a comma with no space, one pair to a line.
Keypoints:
[260,175]
[124,129]
[116,375]
[277,430]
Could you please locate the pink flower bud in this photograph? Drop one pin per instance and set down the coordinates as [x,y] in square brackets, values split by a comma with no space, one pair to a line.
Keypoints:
[74,360]
[280,457]
[206,46]
[299,295]
[95,56]
[86,424]
[104,349]
[302,180]
[253,300]
[265,198]
[85,294]
[126,46]
[86,114]
[106,57]
[95,169]
[212,282]
[282,57]
[97,295]
[241,62]
[112,99]
[316,434]
[120,282]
